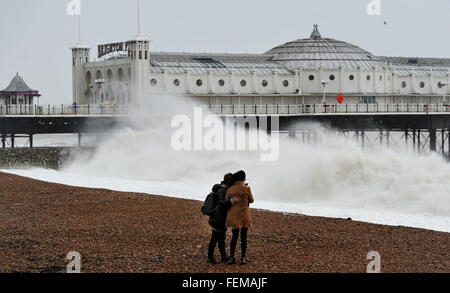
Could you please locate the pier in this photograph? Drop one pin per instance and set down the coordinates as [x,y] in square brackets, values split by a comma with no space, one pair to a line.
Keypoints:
[425,126]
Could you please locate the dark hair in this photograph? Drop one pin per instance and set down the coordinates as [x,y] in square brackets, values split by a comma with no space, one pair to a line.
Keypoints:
[238,176]
[227,178]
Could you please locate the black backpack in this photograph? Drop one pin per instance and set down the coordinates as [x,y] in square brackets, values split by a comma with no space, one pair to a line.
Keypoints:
[209,205]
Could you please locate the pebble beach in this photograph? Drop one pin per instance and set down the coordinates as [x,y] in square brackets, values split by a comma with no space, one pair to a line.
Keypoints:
[117,232]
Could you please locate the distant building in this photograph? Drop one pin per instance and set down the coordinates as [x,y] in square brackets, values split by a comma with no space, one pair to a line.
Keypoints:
[18,93]
[297,72]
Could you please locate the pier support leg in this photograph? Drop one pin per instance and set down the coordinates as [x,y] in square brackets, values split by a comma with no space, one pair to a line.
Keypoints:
[79,139]
[31,140]
[292,134]
[315,138]
[414,140]
[363,138]
[419,146]
[432,140]
[387,138]
[262,124]
[406,139]
[12,141]
[3,140]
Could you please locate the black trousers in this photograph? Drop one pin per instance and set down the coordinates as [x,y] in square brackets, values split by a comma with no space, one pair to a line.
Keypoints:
[235,239]
[218,237]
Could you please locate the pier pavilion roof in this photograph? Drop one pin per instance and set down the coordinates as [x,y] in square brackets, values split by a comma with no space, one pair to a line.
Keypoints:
[203,63]
[408,70]
[406,66]
[18,86]
[315,51]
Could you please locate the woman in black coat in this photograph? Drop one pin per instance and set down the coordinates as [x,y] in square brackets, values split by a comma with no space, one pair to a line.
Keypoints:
[217,210]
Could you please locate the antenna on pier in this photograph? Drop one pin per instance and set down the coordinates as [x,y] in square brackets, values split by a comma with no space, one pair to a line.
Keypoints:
[79,28]
[138,18]
[74,9]
[139,36]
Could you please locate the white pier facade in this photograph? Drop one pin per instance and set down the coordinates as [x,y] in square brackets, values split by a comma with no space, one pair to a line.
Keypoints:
[313,70]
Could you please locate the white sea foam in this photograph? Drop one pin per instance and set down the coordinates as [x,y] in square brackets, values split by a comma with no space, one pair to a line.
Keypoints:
[196,190]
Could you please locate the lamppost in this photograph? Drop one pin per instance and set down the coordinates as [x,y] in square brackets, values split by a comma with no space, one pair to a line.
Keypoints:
[99,83]
[444,84]
[92,88]
[324,84]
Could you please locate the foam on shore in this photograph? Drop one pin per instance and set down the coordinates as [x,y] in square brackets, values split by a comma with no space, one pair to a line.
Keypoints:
[197,192]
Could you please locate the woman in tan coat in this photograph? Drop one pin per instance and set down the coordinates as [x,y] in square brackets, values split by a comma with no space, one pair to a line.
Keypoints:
[238,217]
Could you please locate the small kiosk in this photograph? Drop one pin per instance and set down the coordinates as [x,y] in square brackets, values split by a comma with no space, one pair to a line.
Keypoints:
[18,93]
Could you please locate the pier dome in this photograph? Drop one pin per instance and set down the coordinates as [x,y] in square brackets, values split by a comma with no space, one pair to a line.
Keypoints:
[329,53]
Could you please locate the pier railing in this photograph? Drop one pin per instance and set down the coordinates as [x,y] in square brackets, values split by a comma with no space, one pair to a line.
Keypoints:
[297,109]
[305,109]
[53,110]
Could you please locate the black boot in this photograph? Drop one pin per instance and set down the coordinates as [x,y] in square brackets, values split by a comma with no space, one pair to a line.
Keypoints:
[212,261]
[232,261]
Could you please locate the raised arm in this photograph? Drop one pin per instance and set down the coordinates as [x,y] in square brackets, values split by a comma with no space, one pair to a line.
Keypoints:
[250,196]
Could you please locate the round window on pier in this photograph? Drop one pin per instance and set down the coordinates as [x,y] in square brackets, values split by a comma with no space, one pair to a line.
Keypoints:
[199,82]
[243,83]
[381,78]
[311,77]
[285,83]
[368,77]
[264,83]
[351,77]
[422,84]
[176,82]
[440,85]
[153,82]
[404,84]
[221,82]
[332,77]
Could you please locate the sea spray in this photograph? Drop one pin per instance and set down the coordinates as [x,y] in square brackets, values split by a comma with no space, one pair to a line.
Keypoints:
[334,172]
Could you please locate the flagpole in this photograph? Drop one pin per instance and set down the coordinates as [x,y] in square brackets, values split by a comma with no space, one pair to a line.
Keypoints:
[79,28]
[139,18]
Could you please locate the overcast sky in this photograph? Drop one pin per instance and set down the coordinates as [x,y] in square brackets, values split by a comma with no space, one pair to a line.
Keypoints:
[36,34]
